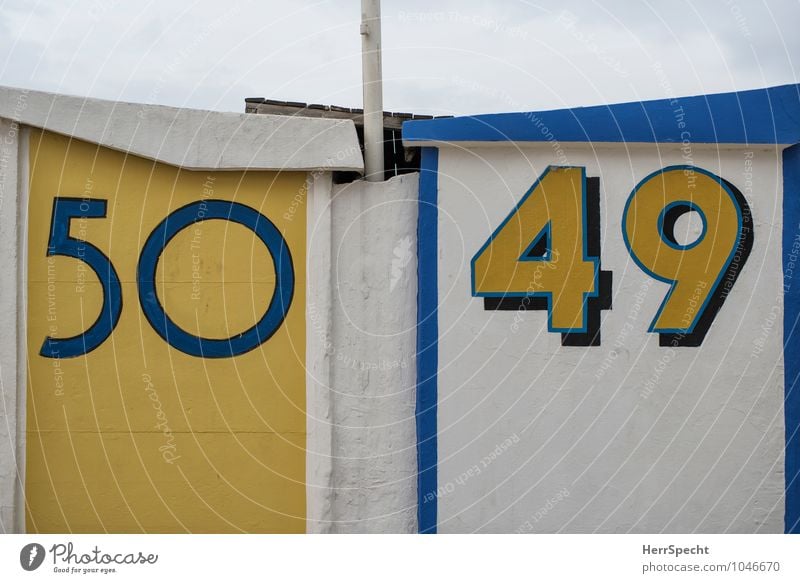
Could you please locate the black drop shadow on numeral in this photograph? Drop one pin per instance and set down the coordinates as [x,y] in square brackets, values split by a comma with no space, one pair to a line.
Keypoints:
[725,284]
[594,304]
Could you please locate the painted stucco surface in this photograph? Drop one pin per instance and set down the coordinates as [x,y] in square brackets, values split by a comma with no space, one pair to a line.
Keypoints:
[9,307]
[372,365]
[534,436]
[136,435]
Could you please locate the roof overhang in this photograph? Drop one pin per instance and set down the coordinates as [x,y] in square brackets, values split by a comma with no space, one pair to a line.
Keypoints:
[191,138]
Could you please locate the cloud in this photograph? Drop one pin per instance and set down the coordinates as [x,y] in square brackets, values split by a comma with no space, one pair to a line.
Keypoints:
[450,57]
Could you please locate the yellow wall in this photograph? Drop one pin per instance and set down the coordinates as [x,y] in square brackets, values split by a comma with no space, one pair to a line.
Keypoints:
[136,435]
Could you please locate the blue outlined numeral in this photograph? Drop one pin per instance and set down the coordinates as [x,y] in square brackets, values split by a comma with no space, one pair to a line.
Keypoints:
[64,210]
[269,235]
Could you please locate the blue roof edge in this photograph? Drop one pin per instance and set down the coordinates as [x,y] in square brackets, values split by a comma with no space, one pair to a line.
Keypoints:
[758,116]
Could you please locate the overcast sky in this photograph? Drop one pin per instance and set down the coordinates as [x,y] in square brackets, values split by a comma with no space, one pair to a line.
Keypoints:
[439,56]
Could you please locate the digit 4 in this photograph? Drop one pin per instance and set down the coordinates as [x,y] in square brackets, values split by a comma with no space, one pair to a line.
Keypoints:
[546,256]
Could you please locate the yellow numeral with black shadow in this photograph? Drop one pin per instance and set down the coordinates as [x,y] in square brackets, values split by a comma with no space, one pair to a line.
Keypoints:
[701,273]
[546,255]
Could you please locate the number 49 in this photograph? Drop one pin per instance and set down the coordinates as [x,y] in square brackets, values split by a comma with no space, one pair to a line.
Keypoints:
[546,253]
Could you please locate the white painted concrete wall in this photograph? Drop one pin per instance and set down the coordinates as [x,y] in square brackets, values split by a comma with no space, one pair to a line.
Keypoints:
[319,325]
[10,259]
[563,443]
[373,343]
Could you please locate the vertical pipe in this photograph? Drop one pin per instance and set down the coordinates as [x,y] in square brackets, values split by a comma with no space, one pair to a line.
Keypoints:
[373,89]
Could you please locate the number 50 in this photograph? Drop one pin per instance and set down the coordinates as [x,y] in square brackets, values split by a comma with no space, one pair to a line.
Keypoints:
[61,243]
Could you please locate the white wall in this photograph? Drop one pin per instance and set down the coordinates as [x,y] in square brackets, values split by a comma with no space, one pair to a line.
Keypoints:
[10,432]
[373,342]
[570,444]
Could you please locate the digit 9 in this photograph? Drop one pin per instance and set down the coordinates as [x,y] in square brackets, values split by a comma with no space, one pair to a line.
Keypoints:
[702,272]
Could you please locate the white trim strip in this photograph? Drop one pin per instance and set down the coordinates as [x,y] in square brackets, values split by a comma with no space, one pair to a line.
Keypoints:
[22,328]
[319,319]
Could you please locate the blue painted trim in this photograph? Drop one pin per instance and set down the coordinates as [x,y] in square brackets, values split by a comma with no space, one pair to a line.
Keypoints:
[427,340]
[672,282]
[545,232]
[692,207]
[546,294]
[759,116]
[791,334]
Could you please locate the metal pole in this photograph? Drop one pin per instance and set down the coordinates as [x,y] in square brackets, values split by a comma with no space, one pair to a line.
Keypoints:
[373,88]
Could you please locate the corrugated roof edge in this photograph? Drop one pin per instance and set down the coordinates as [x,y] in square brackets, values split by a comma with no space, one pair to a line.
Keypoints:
[336,108]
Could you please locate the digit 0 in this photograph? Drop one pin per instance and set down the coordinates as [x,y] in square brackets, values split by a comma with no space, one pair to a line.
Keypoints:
[701,272]
[269,235]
